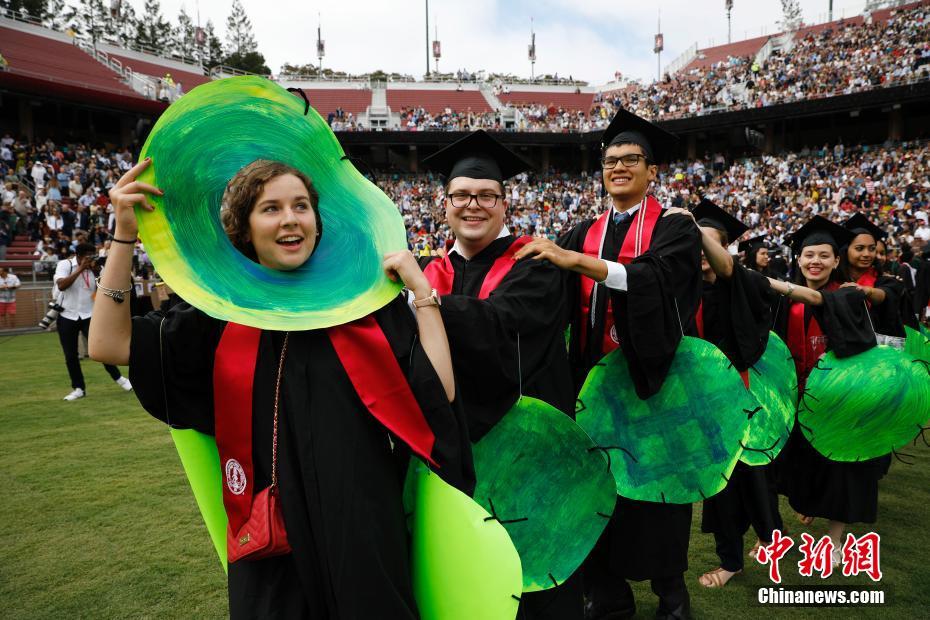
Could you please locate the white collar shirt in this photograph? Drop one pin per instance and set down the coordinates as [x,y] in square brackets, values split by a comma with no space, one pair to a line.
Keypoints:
[77,299]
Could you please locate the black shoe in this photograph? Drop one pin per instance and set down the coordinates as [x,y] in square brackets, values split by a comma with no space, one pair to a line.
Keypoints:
[608,612]
[682,612]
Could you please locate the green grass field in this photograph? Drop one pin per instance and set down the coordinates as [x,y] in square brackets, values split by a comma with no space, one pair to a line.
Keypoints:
[98,520]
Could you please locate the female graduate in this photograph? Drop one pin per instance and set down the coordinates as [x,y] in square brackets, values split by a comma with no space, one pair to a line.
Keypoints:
[756,254]
[300,418]
[890,307]
[821,316]
[735,314]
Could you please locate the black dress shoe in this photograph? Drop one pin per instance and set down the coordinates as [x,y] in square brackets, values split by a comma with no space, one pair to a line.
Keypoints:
[682,612]
[609,612]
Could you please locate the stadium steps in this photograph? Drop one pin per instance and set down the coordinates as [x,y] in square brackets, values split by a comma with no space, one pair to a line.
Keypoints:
[488,93]
[41,54]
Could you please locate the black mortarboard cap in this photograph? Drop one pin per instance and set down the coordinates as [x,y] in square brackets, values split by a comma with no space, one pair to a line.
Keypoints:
[819,230]
[753,242]
[626,127]
[709,214]
[477,156]
[860,224]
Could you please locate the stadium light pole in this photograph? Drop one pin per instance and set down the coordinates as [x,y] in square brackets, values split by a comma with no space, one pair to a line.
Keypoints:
[427,38]
[729,5]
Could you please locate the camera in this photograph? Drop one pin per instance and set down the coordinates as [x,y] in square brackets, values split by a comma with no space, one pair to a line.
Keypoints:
[51,315]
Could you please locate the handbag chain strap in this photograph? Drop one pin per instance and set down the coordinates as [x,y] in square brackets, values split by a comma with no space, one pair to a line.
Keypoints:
[277,395]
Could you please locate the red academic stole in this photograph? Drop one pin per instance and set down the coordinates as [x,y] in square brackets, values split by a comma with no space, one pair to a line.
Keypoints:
[372,368]
[868,279]
[441,274]
[699,322]
[637,241]
[806,342]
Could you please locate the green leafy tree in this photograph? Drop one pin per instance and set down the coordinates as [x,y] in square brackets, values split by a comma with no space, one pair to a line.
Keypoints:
[152,31]
[92,21]
[239,38]
[792,17]
[125,24]
[253,62]
[213,54]
[183,42]
[242,49]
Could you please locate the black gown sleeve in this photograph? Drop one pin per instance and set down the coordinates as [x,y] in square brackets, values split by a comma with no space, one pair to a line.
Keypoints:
[452,447]
[890,316]
[845,321]
[171,365]
[663,293]
[749,299]
[922,288]
[483,335]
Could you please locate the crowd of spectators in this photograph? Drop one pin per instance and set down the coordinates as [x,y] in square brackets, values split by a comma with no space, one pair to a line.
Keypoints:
[773,195]
[844,58]
[58,195]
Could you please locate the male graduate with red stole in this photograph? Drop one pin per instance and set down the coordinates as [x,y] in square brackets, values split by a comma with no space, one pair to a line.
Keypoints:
[504,319]
[638,282]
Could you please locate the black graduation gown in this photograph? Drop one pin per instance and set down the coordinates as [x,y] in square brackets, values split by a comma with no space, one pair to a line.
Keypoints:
[339,472]
[922,287]
[896,311]
[737,318]
[483,336]
[816,486]
[643,540]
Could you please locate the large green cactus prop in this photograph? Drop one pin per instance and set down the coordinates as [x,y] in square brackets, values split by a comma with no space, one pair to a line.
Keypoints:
[542,477]
[867,405]
[681,444]
[774,383]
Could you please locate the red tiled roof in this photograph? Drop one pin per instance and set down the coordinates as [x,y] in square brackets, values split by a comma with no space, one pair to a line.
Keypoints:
[436,101]
[570,101]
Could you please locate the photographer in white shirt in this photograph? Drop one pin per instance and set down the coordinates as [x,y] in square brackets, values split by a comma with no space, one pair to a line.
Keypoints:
[75,278]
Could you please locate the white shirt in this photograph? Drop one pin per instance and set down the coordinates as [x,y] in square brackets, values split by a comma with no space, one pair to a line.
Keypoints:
[616,272]
[77,299]
[457,249]
[8,294]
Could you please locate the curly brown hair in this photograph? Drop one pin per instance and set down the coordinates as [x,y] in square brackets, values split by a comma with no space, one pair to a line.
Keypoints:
[242,193]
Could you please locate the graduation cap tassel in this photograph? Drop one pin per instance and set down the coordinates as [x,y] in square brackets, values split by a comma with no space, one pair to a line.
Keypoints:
[678,314]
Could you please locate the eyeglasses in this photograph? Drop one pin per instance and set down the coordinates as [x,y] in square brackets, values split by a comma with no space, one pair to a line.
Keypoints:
[488,200]
[629,161]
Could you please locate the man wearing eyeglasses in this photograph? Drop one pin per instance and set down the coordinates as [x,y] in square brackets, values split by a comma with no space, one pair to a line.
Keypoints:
[504,319]
[638,283]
